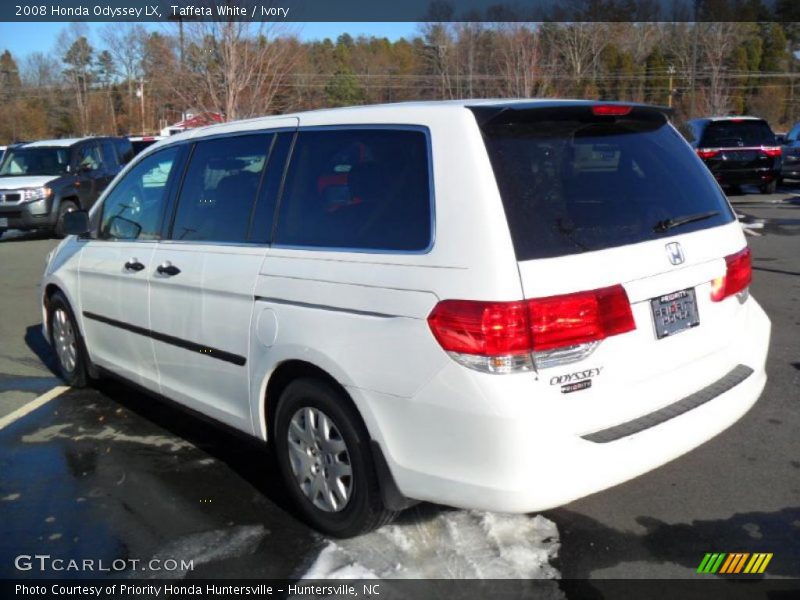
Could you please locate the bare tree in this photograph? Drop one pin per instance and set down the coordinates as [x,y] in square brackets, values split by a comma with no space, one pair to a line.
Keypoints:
[519,56]
[126,43]
[717,43]
[580,45]
[39,70]
[234,68]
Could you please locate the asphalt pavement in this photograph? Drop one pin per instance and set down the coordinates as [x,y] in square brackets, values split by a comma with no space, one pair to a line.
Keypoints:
[111,474]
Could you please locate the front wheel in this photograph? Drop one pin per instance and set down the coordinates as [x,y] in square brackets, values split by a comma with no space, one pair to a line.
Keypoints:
[66,206]
[769,188]
[66,341]
[324,456]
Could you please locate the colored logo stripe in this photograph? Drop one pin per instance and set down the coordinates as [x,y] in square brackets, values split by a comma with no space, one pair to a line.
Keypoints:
[734,563]
[711,562]
[759,562]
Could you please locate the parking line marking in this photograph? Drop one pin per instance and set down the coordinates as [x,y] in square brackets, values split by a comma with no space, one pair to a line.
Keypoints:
[32,405]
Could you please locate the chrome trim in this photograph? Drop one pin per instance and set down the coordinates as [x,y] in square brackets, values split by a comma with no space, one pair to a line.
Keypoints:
[327,307]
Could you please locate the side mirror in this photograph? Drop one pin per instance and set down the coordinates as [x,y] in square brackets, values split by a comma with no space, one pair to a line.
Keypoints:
[121,228]
[76,222]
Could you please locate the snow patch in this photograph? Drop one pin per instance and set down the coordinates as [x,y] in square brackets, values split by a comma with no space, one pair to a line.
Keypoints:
[441,543]
[108,433]
[210,546]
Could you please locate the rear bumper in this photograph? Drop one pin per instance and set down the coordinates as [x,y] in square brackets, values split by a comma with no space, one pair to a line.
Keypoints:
[31,215]
[746,176]
[461,443]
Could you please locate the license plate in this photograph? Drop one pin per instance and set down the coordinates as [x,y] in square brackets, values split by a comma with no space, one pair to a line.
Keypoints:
[3,222]
[675,312]
[741,155]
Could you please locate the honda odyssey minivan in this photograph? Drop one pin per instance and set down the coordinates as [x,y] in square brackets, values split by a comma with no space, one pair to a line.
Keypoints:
[498,305]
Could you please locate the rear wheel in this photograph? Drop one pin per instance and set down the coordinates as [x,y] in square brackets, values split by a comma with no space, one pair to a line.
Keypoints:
[66,341]
[324,456]
[769,188]
[65,207]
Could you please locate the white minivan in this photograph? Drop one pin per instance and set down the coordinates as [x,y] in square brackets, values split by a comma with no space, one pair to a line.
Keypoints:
[499,305]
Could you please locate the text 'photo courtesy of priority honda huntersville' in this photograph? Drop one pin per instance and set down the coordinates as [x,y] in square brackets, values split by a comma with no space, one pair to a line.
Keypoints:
[498,305]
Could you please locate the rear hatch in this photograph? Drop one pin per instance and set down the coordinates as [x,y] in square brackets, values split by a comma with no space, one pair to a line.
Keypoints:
[731,145]
[611,198]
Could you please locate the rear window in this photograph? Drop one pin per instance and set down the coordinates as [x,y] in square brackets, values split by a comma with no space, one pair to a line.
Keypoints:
[573,183]
[736,134]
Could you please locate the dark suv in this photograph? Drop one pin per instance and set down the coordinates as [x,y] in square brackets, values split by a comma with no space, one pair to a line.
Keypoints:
[791,154]
[737,150]
[42,181]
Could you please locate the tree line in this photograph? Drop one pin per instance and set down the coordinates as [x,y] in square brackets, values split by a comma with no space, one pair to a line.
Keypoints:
[134,80]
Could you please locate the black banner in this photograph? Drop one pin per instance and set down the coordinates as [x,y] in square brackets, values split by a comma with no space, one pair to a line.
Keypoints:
[434,589]
[405,11]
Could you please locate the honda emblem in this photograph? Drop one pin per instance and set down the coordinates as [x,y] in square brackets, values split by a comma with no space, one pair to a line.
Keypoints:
[675,253]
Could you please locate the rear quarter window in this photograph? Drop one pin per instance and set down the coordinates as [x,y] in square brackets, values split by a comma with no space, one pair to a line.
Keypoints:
[357,189]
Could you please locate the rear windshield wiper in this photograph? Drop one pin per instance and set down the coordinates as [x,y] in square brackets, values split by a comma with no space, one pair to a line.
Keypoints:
[668,224]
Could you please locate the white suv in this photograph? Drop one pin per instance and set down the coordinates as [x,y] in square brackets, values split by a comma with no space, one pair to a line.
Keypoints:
[487,304]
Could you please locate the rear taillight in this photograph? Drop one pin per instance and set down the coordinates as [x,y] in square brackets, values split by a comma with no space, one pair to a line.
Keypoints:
[706,153]
[572,319]
[611,110]
[772,151]
[509,337]
[738,274]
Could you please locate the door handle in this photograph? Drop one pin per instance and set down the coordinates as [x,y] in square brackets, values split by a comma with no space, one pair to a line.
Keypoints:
[167,268]
[134,265]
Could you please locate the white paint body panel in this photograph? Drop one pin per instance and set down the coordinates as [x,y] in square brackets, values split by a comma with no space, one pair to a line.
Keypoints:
[449,434]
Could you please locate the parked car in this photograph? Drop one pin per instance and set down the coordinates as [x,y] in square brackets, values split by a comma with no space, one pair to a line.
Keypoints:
[42,181]
[737,150]
[791,154]
[140,142]
[493,305]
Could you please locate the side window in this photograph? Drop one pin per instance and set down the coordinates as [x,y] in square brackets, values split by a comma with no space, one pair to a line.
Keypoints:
[89,157]
[133,210]
[794,134]
[261,228]
[357,189]
[109,155]
[219,189]
[124,150]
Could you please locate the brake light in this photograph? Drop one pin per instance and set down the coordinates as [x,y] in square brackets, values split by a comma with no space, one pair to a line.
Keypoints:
[485,328]
[611,110]
[706,153]
[573,319]
[506,337]
[738,274]
[772,151]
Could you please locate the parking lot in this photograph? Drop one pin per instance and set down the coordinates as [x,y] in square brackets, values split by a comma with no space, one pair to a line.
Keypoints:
[109,473]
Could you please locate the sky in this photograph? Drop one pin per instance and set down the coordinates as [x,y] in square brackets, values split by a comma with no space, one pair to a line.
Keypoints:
[23,38]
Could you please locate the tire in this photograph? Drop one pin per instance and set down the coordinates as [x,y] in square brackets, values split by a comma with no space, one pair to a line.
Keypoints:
[63,208]
[769,188]
[66,341]
[360,508]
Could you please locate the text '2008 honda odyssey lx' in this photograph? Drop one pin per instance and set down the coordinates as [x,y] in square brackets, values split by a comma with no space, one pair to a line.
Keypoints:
[485,304]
